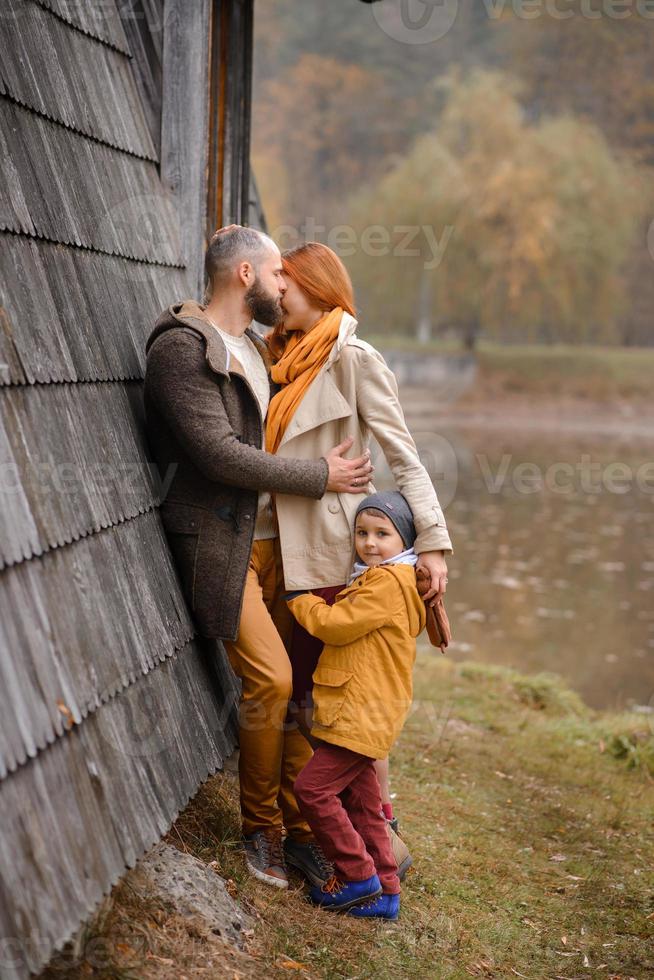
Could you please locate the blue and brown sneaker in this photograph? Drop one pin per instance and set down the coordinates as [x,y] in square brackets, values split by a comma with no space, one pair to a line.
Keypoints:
[383,907]
[264,857]
[339,896]
[308,858]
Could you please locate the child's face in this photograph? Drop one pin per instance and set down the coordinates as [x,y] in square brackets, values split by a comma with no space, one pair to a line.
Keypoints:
[376,538]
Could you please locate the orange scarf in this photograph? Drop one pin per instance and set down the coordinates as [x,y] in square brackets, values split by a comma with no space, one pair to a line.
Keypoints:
[303,358]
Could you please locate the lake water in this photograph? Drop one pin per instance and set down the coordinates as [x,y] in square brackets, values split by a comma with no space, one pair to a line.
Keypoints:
[553,564]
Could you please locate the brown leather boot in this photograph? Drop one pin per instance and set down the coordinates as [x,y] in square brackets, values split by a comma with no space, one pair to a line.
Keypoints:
[401,852]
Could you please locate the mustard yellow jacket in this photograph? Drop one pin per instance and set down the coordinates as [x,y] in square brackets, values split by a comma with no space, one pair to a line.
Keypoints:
[363,684]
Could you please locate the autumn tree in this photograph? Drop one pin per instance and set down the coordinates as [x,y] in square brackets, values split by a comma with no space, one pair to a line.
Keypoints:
[542,217]
[325,124]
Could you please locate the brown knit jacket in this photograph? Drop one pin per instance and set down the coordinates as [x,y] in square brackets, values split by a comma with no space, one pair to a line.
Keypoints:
[204,427]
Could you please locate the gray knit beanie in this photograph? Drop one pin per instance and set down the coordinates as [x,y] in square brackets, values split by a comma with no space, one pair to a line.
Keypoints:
[395,507]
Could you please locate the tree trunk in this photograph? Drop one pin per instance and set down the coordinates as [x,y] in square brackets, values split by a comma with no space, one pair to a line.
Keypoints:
[470,334]
[424,319]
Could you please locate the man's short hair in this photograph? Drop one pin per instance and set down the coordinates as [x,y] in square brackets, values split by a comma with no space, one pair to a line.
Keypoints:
[230,247]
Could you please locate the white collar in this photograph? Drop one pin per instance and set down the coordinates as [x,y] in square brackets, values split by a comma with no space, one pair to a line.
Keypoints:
[408,557]
[347,328]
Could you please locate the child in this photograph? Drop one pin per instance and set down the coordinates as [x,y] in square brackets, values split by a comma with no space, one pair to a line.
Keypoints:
[362,694]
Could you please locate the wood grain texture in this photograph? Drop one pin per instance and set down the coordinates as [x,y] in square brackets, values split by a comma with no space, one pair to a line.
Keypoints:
[102,795]
[58,185]
[184,125]
[111,713]
[79,626]
[72,314]
[98,19]
[144,23]
[75,457]
[103,103]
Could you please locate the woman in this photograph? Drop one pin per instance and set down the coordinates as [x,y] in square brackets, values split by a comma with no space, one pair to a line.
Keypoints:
[335,385]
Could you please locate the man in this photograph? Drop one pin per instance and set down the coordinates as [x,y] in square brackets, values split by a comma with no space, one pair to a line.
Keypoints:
[207,390]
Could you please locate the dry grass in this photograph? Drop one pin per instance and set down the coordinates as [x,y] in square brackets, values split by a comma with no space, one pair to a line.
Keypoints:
[532,838]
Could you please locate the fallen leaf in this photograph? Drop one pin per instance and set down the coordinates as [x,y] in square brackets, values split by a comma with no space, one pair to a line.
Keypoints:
[159,959]
[67,713]
[124,948]
[293,965]
[558,857]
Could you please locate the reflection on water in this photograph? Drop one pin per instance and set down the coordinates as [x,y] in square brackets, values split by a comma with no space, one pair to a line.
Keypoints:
[560,577]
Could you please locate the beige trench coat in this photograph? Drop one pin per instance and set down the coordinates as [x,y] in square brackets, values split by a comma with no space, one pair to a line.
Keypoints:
[354,394]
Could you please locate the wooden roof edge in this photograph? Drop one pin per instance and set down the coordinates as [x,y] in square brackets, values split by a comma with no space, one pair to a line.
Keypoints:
[77,380]
[51,546]
[16,230]
[87,33]
[15,100]
[89,709]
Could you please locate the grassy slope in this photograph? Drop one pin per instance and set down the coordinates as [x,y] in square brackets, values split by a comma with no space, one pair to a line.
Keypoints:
[529,818]
[498,779]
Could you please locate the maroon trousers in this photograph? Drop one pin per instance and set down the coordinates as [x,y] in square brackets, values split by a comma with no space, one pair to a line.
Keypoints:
[305,651]
[338,795]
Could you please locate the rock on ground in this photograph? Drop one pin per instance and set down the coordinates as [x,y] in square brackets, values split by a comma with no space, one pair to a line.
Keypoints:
[191,889]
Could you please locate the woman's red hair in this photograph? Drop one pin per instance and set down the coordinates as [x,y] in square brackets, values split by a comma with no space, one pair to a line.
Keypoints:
[319,273]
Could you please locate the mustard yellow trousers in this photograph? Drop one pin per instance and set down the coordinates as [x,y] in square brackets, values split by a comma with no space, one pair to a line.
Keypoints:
[272,751]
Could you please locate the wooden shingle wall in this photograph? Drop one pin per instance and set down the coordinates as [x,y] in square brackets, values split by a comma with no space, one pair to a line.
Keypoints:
[111,711]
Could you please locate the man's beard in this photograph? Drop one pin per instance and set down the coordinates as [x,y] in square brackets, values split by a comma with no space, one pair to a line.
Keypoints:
[263,307]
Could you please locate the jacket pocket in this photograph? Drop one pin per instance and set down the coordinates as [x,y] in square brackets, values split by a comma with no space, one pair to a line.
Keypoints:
[181,518]
[183,523]
[330,689]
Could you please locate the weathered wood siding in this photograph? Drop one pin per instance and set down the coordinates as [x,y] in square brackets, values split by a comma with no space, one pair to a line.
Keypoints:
[111,711]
